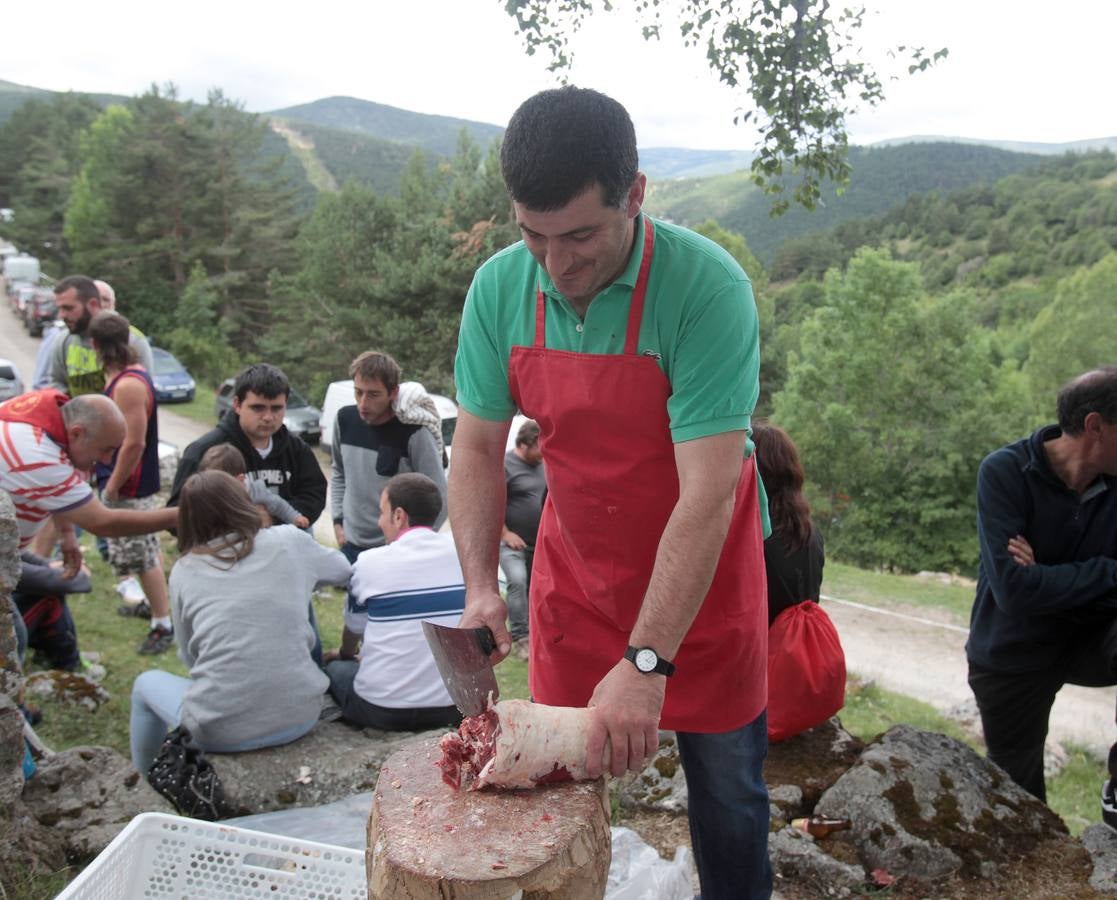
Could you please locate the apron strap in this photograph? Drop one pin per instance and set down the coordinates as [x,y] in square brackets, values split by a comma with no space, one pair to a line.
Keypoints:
[635,307]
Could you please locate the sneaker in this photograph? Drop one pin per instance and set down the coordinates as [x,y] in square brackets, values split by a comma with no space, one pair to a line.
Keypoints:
[130,590]
[141,610]
[1109,804]
[521,648]
[158,640]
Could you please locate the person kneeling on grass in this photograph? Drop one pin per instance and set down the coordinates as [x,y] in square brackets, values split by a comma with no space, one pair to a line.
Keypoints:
[239,596]
[392,682]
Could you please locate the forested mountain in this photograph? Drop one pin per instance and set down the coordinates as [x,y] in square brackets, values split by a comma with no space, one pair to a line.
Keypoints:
[13,96]
[881,178]
[1044,149]
[351,155]
[434,134]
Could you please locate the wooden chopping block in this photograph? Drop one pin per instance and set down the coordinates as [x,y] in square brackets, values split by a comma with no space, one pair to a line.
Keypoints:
[426,840]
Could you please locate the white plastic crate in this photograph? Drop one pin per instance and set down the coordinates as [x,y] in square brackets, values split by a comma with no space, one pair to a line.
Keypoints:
[157,855]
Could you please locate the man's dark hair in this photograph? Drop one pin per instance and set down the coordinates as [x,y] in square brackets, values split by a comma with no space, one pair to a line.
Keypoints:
[84,286]
[561,142]
[528,435]
[263,379]
[111,334]
[1094,391]
[374,365]
[417,495]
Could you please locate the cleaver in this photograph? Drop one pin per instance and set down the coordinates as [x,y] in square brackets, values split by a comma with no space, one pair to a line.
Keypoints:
[462,656]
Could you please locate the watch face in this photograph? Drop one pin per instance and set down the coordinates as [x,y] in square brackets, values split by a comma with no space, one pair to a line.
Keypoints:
[646,660]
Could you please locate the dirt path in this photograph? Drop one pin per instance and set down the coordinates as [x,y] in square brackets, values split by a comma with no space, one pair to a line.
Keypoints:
[907,652]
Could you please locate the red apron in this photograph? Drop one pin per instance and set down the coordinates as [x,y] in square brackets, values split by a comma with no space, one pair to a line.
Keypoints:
[612,484]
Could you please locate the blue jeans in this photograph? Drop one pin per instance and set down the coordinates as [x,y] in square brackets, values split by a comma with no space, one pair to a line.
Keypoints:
[517,570]
[351,551]
[728,810]
[157,708]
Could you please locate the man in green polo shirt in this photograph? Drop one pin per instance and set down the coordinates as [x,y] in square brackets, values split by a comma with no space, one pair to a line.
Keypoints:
[634,344]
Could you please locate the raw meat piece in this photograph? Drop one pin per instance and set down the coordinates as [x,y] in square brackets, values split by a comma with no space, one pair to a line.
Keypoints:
[517,744]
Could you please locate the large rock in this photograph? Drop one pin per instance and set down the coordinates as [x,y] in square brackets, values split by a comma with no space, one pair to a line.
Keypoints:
[332,762]
[11,672]
[11,752]
[86,795]
[927,806]
[798,770]
[1100,842]
[797,857]
[661,785]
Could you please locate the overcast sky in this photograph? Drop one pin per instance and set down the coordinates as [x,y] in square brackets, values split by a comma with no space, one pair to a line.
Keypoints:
[1022,70]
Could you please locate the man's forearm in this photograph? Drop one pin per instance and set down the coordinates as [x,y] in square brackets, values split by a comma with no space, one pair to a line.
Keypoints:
[126,461]
[103,522]
[692,541]
[476,502]
[684,569]
[350,644]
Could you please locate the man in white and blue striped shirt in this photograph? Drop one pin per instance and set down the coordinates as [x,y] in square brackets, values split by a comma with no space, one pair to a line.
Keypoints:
[384,675]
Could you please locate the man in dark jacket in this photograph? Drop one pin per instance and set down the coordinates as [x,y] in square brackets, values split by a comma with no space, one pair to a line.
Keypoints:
[1045,614]
[271,454]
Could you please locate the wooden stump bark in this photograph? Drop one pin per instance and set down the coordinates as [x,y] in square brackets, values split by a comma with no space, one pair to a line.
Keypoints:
[426,840]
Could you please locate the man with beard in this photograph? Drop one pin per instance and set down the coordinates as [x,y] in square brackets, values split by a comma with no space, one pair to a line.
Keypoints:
[74,368]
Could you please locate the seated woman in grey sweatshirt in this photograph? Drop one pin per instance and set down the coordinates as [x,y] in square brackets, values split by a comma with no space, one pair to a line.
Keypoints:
[239,596]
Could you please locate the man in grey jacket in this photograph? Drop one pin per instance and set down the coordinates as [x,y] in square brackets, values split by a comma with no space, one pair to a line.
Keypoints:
[370,445]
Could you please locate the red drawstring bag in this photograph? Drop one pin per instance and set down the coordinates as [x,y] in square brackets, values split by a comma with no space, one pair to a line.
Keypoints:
[806,671]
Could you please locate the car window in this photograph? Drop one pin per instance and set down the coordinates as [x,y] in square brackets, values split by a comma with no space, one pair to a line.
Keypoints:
[7,373]
[165,363]
[295,400]
[448,426]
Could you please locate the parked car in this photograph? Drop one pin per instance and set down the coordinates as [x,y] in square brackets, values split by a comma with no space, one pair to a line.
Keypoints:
[302,417]
[173,384]
[11,384]
[40,311]
[20,294]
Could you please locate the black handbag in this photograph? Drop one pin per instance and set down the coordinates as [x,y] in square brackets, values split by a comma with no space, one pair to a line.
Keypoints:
[183,775]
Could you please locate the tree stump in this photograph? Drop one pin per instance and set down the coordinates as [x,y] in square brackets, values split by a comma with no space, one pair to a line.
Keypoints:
[427,840]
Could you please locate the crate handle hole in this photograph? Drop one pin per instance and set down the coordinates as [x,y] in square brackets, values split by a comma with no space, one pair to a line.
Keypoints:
[271,863]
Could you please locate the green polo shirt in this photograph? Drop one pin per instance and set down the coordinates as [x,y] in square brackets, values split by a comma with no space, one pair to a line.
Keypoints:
[699,321]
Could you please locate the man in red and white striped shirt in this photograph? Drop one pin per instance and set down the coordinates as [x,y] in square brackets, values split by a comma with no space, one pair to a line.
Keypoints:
[48,444]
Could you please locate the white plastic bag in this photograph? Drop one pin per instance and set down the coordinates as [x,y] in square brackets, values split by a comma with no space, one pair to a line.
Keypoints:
[639,873]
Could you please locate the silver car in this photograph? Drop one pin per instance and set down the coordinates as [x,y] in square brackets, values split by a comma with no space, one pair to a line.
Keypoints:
[11,384]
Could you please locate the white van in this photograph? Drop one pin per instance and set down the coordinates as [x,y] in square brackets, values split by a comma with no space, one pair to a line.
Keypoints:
[21,267]
[340,393]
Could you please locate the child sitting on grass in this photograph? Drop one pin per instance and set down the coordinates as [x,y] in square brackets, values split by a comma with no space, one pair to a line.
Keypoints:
[228,459]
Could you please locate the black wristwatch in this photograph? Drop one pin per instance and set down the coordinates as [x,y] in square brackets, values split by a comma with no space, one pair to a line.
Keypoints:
[648,661]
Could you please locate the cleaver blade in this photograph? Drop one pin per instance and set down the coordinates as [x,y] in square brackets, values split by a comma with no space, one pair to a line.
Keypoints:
[462,657]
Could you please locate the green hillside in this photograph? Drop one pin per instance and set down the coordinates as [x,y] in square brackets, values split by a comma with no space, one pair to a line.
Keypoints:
[434,134]
[13,96]
[352,155]
[882,178]
[1056,216]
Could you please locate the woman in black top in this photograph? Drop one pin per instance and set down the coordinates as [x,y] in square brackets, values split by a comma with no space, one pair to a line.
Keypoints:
[793,554]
